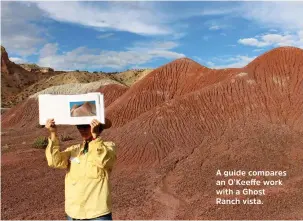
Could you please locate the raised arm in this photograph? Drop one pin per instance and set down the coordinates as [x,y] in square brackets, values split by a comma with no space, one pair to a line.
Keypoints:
[104,152]
[55,157]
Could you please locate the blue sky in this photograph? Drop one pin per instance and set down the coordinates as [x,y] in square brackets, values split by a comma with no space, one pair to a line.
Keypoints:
[71,104]
[115,36]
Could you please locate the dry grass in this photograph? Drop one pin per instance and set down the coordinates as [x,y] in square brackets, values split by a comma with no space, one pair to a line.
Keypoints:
[130,77]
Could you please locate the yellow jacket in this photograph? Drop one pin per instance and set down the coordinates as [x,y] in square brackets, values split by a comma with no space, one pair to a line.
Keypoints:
[87,187]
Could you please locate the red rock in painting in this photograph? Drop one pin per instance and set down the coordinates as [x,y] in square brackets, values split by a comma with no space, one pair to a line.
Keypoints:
[85,109]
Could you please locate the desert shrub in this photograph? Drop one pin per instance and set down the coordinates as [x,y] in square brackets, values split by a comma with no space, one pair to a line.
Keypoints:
[41,142]
[4,148]
[65,137]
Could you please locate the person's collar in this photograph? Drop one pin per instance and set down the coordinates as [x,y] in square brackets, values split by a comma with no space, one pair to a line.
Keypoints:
[91,139]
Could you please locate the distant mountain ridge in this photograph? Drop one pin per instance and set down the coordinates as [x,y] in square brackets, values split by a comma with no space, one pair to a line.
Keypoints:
[20,81]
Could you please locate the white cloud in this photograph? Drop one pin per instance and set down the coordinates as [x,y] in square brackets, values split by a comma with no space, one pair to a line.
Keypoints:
[237,61]
[274,40]
[218,11]
[275,15]
[284,16]
[210,64]
[217,24]
[25,24]
[106,35]
[19,35]
[143,18]
[273,30]
[48,50]
[123,17]
[22,36]
[178,36]
[17,60]
[197,58]
[214,27]
[252,42]
[284,21]
[84,58]
[258,50]
[280,40]
[158,45]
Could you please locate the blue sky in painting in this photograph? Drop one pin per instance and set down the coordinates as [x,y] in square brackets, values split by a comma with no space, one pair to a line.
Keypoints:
[71,104]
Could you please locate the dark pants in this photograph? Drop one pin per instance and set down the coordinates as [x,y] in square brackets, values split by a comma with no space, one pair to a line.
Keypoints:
[104,217]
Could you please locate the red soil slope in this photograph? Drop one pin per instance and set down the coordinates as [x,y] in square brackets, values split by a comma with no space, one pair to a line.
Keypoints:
[253,121]
[112,92]
[23,114]
[163,84]
[173,135]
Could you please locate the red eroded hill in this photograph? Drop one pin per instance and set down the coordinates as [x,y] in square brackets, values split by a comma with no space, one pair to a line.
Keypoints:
[251,121]
[163,84]
[14,78]
[173,130]
[253,93]
[278,75]
[112,92]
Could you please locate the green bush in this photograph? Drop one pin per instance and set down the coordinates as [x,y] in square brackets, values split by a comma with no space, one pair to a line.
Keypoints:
[65,137]
[40,143]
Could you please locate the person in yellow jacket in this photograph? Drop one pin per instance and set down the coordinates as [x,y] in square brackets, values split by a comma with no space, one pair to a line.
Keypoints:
[87,186]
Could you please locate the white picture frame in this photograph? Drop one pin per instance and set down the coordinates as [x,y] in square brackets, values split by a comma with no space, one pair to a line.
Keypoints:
[58,107]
